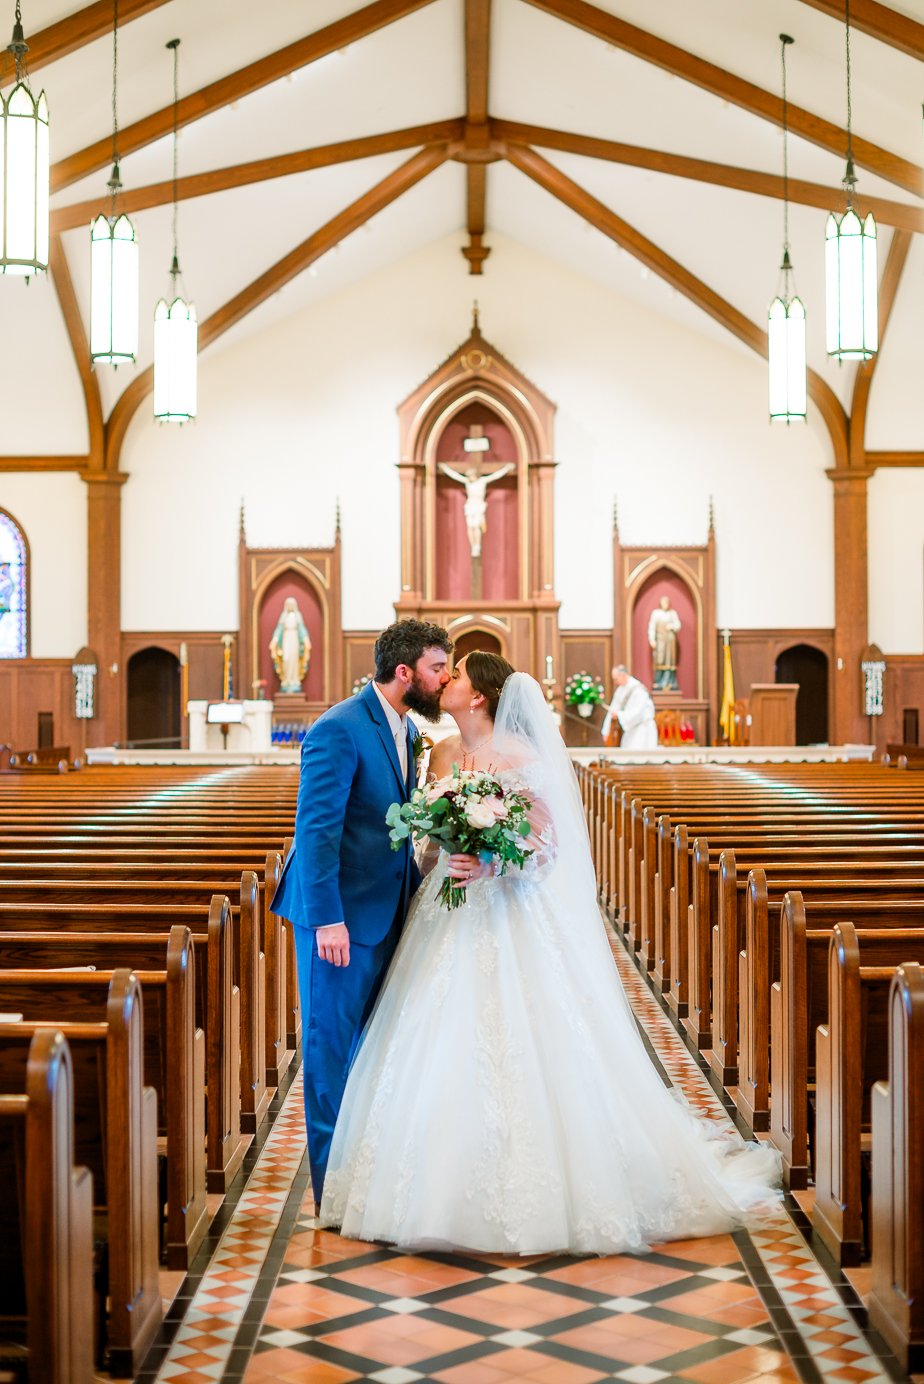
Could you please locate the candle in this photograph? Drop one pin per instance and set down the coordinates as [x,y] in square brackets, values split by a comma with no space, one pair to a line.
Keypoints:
[548,666]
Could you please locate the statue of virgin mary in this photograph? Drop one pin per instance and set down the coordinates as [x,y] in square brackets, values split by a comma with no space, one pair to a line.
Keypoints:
[290,647]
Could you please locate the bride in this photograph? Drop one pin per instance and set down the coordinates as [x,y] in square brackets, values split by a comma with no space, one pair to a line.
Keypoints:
[501,1099]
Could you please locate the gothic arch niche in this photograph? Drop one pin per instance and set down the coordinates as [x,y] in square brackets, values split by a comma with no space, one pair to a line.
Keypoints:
[14,588]
[666,580]
[641,575]
[268,605]
[476,388]
[468,635]
[267,577]
[500,573]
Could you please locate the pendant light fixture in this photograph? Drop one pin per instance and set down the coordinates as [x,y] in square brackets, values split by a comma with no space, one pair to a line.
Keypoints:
[851,277]
[786,317]
[176,331]
[113,258]
[23,170]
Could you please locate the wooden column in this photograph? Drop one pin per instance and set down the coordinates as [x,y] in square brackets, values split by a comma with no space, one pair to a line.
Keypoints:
[851,601]
[542,535]
[104,599]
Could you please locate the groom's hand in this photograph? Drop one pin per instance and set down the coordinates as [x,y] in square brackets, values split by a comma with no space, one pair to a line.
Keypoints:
[334,944]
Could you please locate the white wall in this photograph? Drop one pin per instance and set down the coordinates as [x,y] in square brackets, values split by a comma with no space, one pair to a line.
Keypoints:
[52,509]
[648,411]
[896,561]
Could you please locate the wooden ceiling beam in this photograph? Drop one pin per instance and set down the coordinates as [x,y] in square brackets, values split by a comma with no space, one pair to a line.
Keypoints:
[80,346]
[68,35]
[236,85]
[44,463]
[875,459]
[274,278]
[716,80]
[877,21]
[477,66]
[888,212]
[258,171]
[863,379]
[659,262]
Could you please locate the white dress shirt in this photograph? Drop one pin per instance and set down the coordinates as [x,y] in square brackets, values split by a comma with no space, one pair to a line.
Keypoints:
[398,727]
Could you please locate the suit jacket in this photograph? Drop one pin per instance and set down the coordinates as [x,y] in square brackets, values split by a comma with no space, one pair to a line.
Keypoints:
[341,867]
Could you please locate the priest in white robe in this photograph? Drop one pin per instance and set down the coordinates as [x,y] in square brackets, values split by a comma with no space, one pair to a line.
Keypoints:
[634,710]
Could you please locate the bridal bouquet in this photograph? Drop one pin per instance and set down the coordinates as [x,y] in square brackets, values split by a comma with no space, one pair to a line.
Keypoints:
[469,813]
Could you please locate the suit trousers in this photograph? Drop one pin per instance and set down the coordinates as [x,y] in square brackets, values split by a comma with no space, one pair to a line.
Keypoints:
[336,1002]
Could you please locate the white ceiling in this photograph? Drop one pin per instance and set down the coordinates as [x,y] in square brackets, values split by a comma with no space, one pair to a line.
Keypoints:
[542,71]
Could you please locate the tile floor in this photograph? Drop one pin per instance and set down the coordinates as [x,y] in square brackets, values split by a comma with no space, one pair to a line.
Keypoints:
[272,1297]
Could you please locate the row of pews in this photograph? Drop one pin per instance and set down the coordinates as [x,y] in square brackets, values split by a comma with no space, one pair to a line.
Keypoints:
[148,1011]
[778,910]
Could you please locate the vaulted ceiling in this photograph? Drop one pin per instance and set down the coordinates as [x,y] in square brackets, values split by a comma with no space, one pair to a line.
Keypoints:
[638,143]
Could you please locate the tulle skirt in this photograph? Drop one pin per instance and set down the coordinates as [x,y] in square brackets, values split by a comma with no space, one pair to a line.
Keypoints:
[502,1099]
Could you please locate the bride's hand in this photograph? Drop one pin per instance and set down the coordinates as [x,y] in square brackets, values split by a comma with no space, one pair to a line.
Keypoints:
[465,868]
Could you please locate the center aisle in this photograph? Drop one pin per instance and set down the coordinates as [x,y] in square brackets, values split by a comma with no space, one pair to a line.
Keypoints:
[281,1300]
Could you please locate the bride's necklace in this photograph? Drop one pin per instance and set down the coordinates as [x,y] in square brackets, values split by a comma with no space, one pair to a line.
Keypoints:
[470,754]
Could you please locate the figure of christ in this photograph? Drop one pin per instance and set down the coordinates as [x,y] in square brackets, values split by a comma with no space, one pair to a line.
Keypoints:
[476,499]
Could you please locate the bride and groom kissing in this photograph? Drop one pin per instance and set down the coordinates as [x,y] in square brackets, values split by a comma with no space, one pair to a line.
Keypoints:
[474,1079]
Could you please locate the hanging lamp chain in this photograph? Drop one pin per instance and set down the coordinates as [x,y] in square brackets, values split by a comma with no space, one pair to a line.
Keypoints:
[786,266]
[17,46]
[115,181]
[175,45]
[850,177]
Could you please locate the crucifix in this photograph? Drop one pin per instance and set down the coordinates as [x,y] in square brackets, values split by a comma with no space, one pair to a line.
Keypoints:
[475,483]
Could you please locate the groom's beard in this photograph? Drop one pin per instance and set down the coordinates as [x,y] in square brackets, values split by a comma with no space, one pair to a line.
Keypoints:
[426,704]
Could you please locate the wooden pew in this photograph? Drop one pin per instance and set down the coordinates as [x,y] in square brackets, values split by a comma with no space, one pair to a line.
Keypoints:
[38,875]
[851,1054]
[46,1216]
[115,1134]
[161,897]
[896,1302]
[784,997]
[217,1000]
[174,1063]
[719,933]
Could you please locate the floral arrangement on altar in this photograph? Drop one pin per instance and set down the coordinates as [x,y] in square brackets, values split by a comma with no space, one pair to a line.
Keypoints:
[584,691]
[360,683]
[468,813]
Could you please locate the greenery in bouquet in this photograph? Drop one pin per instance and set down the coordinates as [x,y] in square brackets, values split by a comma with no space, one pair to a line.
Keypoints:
[582,689]
[468,813]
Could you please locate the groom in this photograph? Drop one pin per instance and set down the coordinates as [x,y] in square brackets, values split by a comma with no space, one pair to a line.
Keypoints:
[343,888]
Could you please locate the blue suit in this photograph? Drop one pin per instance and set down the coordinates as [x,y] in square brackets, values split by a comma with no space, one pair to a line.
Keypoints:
[342,869]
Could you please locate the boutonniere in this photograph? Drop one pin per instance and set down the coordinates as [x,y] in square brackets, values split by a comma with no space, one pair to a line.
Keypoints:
[420,745]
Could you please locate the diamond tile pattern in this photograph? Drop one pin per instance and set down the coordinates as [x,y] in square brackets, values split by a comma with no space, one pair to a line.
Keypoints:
[309,1307]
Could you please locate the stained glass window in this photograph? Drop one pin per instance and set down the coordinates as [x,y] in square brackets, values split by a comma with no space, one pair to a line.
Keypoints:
[14,575]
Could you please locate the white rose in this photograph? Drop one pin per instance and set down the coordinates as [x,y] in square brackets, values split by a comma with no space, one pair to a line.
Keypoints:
[480,815]
[499,808]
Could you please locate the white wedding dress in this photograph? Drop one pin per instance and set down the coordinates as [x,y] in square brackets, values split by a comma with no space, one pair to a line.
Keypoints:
[502,1099]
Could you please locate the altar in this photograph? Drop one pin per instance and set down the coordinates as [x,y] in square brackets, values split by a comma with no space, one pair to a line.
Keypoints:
[230,726]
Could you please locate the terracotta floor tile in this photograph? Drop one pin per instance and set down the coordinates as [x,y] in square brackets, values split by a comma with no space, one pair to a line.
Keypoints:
[719,1250]
[562,1372]
[383,1280]
[393,1343]
[513,1305]
[843,1354]
[477,1372]
[742,1314]
[672,1338]
[290,1364]
[317,1298]
[520,1364]
[851,1372]
[728,1369]
[599,1341]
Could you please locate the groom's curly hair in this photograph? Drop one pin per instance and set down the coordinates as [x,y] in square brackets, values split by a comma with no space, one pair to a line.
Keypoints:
[405,642]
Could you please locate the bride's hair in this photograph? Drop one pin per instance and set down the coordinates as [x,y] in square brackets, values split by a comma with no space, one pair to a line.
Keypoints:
[487,673]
